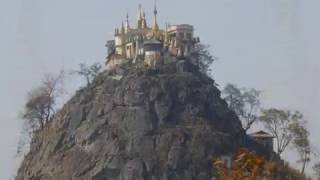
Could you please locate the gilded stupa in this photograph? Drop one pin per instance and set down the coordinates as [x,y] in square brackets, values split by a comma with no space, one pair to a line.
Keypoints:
[149,43]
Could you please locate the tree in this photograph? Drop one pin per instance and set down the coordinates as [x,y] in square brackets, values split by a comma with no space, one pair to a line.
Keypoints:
[204,58]
[246,166]
[316,169]
[233,96]
[278,123]
[89,72]
[39,107]
[251,107]
[244,102]
[300,139]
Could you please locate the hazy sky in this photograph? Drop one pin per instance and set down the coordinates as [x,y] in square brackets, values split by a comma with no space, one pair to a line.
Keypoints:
[271,45]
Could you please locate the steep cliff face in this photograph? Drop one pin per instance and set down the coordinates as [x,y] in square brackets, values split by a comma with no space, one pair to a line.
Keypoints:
[142,125]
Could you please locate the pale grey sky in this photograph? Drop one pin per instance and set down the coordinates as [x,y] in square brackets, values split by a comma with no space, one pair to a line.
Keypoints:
[271,45]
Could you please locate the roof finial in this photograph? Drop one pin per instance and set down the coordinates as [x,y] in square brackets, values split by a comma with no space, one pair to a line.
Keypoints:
[127,23]
[140,11]
[155,25]
[155,8]
[144,21]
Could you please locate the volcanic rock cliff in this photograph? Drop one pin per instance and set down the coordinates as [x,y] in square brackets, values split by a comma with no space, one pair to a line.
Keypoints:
[137,124]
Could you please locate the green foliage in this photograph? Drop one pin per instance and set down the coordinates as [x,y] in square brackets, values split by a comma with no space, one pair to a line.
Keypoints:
[204,58]
[288,127]
[300,140]
[40,107]
[244,102]
[233,96]
[277,122]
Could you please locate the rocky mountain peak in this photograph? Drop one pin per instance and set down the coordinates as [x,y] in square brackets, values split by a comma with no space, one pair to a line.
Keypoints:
[137,124]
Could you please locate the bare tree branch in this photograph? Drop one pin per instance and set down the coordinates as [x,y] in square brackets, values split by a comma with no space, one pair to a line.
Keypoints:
[88,72]
[245,103]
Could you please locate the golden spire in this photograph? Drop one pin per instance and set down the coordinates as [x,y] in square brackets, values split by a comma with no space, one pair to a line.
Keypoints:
[140,18]
[155,26]
[144,21]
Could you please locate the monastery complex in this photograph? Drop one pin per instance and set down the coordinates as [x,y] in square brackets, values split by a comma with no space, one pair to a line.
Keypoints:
[149,43]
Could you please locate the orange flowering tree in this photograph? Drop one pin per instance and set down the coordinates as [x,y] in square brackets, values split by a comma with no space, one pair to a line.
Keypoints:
[246,166]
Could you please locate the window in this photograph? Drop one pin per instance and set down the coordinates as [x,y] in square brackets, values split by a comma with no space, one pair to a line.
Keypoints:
[189,35]
[181,35]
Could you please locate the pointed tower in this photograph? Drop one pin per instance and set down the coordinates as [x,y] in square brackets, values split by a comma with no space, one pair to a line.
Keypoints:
[122,28]
[116,32]
[155,26]
[144,21]
[127,25]
[140,12]
[140,18]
